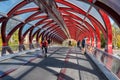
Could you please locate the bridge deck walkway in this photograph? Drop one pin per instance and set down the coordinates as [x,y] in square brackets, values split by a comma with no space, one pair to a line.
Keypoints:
[61,64]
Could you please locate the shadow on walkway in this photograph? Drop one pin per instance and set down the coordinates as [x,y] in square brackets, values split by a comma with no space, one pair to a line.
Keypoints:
[55,62]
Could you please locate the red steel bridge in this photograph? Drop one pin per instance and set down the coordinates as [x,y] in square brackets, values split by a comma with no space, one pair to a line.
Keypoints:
[58,20]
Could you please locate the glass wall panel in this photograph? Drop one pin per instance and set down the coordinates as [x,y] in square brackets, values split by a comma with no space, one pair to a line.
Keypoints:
[11,24]
[30,5]
[84,6]
[97,16]
[7,5]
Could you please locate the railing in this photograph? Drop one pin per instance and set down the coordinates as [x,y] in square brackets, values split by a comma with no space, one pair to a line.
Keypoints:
[15,48]
[0,50]
[110,62]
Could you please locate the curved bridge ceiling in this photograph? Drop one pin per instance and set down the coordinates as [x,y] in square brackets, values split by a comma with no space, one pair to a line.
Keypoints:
[58,19]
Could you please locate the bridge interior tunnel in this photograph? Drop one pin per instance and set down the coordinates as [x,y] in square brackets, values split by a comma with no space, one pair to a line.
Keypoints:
[57,20]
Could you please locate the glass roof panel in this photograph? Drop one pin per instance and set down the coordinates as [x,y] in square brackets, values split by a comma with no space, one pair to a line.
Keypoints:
[24,16]
[40,32]
[48,19]
[25,28]
[30,5]
[43,29]
[41,25]
[84,6]
[62,5]
[0,25]
[41,14]
[7,5]
[35,21]
[111,20]
[84,25]
[96,15]
[77,14]
[48,31]
[34,30]
[86,19]
[11,24]
[77,20]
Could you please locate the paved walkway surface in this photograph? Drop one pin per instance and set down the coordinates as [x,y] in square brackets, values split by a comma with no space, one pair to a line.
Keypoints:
[61,64]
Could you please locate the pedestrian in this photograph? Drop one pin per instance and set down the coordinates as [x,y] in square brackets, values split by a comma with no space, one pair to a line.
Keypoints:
[78,44]
[69,43]
[83,45]
[44,44]
[49,41]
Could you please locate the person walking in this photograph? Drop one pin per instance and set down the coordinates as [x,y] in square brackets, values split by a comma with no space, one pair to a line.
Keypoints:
[78,44]
[83,45]
[44,44]
[49,41]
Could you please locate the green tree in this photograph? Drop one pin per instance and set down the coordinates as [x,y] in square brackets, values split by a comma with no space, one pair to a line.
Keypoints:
[102,40]
[116,35]
[13,42]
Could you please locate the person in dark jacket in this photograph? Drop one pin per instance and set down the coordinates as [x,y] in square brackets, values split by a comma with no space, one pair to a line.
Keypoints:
[44,44]
[83,45]
[78,44]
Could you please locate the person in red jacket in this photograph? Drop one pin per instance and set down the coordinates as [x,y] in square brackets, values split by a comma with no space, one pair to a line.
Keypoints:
[44,44]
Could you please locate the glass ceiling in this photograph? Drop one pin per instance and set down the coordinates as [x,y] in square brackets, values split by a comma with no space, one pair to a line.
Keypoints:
[41,14]
[86,19]
[77,14]
[25,28]
[84,6]
[77,20]
[97,16]
[24,16]
[35,21]
[11,24]
[62,5]
[34,30]
[8,5]
[30,5]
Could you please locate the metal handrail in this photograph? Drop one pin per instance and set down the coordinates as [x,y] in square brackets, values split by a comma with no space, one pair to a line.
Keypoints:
[15,48]
[107,54]
[111,62]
